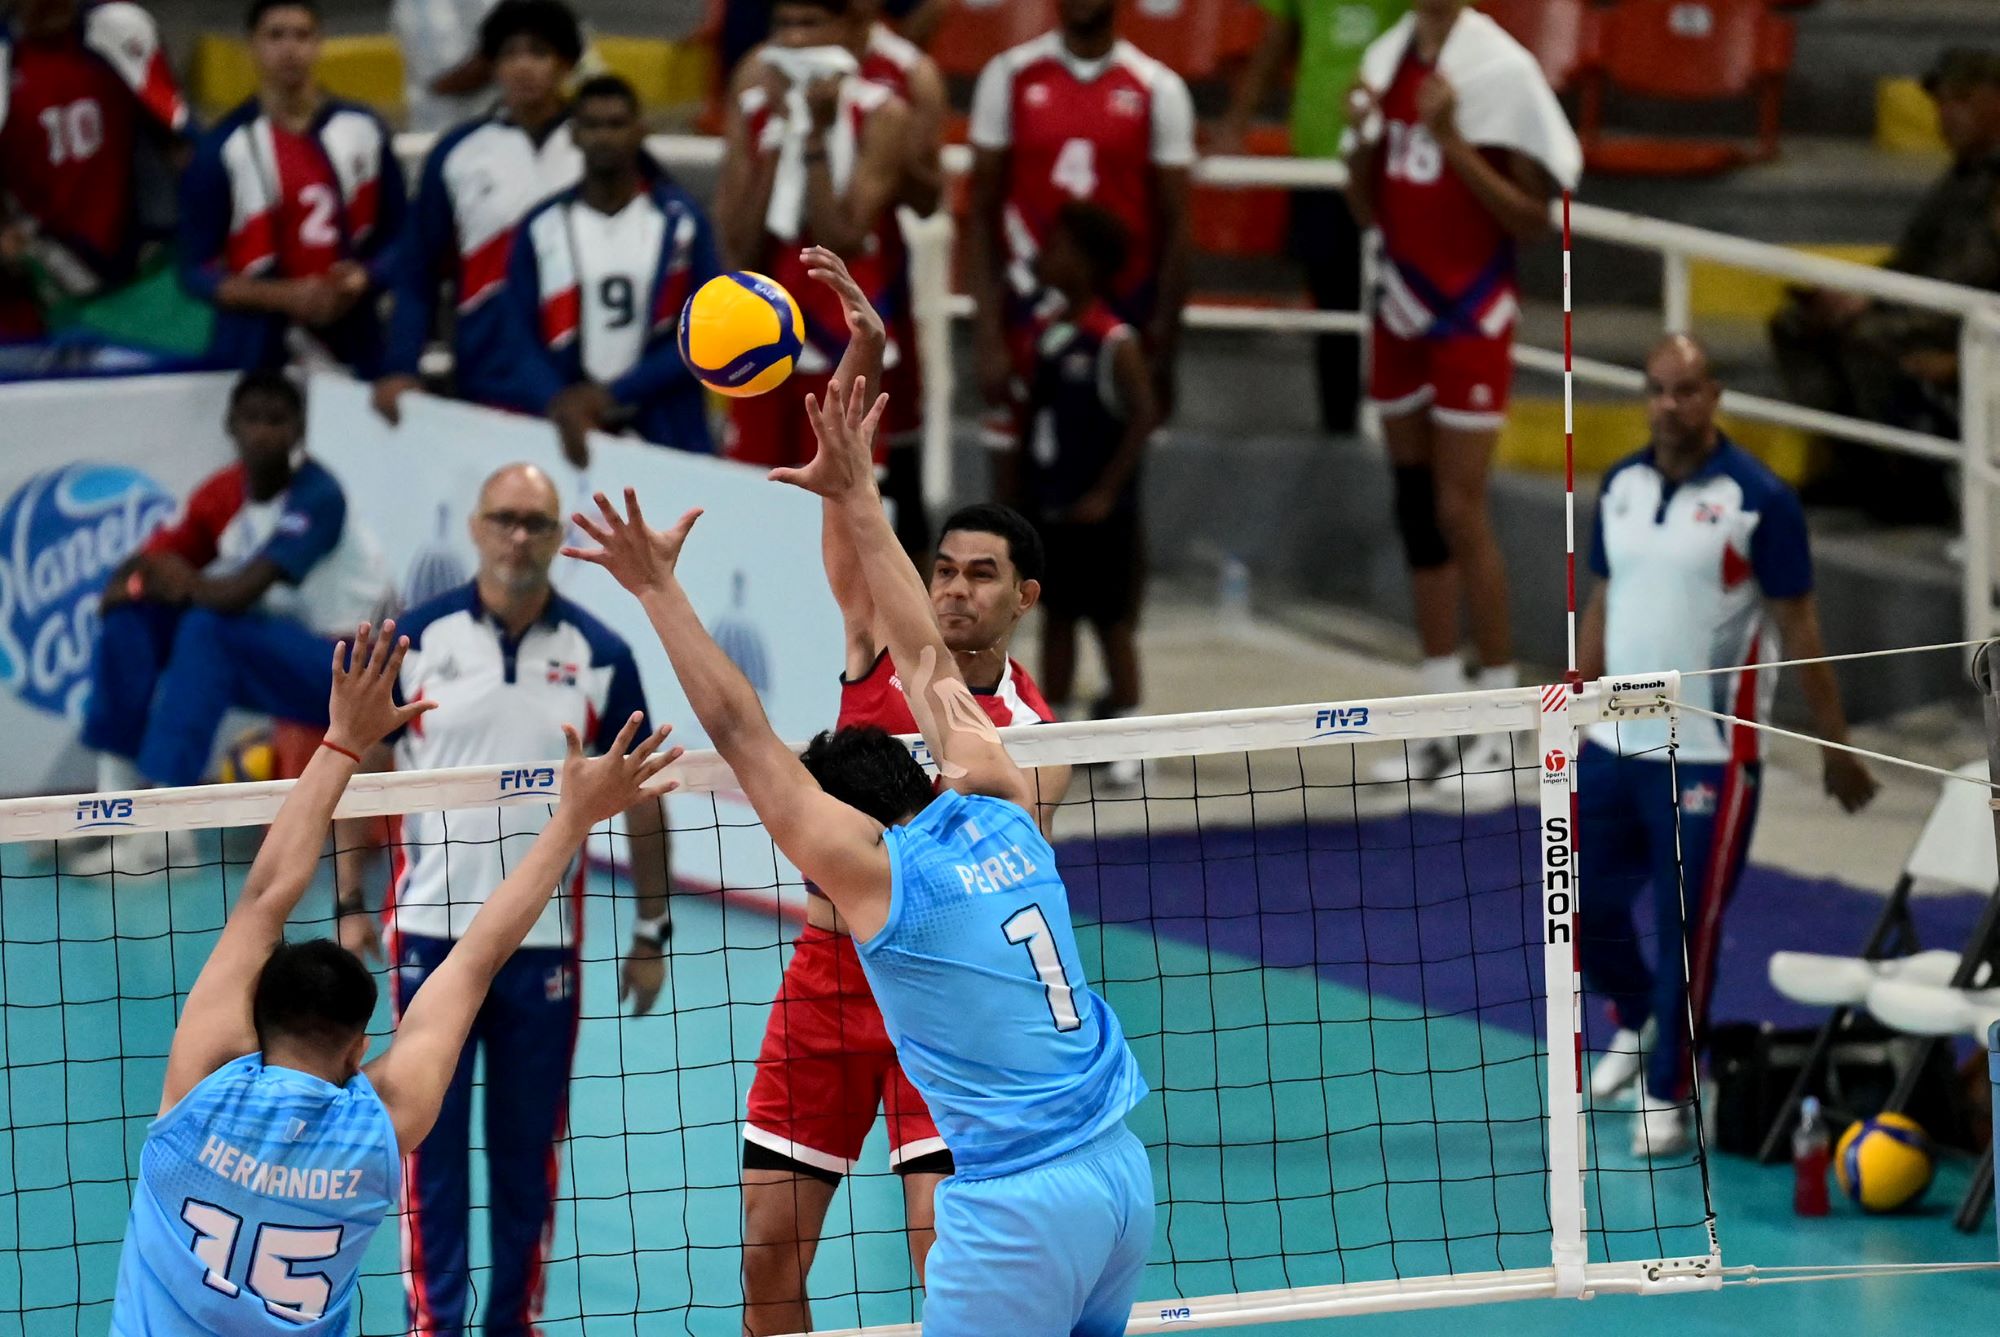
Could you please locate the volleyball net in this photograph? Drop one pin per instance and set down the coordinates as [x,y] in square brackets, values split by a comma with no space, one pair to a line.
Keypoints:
[1355,999]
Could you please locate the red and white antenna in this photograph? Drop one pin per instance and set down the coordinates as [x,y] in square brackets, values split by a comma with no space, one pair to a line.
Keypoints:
[1569,450]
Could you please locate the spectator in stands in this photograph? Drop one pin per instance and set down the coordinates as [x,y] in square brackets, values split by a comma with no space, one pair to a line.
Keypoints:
[479,181]
[1322,40]
[1458,146]
[816,155]
[900,65]
[237,603]
[464,646]
[85,89]
[595,287]
[1089,413]
[1894,364]
[1077,114]
[1696,545]
[746,25]
[291,210]
[448,74]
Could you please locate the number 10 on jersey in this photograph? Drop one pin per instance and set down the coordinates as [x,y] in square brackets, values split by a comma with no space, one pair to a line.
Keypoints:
[1030,928]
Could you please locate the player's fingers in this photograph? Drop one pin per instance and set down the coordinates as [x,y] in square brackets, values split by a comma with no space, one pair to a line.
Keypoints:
[612,519]
[572,744]
[685,525]
[791,476]
[622,744]
[633,515]
[650,743]
[874,417]
[385,645]
[595,556]
[393,670]
[591,527]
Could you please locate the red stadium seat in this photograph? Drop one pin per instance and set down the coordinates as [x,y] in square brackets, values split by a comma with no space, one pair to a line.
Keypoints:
[972,32]
[1556,31]
[1184,35]
[1244,222]
[1686,51]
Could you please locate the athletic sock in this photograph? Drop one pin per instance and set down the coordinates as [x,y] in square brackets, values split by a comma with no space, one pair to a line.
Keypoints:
[1498,677]
[1441,674]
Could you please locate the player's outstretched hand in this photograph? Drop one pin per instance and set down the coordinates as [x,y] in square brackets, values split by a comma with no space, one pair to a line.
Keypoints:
[863,320]
[639,558]
[845,426]
[599,788]
[362,709]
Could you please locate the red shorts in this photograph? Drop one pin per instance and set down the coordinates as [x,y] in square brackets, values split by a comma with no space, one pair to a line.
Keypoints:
[1464,379]
[827,1065]
[773,430]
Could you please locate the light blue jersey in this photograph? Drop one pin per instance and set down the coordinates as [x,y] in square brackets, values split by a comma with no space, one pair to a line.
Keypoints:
[257,1196]
[979,982]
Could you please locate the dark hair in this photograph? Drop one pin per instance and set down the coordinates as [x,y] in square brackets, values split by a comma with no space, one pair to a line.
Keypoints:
[273,383]
[1024,545]
[837,8]
[1099,234]
[607,85]
[254,15]
[550,22]
[316,991]
[867,769]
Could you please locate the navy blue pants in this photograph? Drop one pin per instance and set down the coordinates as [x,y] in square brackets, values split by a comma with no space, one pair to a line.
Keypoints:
[1625,832]
[528,1031]
[163,677]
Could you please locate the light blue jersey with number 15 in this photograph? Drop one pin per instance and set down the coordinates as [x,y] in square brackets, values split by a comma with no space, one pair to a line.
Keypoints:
[979,982]
[257,1196]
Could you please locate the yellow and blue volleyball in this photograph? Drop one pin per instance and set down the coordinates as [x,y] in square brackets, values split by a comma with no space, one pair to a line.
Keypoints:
[1885,1163]
[250,757]
[741,334]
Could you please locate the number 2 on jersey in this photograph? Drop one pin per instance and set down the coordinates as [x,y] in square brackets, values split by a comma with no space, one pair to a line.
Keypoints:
[1030,928]
[288,1294]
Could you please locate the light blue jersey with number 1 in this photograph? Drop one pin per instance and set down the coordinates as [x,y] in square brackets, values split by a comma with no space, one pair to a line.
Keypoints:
[257,1196]
[1046,1225]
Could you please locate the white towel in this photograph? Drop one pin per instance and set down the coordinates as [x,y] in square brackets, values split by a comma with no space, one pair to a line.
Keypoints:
[1503,99]
[785,132]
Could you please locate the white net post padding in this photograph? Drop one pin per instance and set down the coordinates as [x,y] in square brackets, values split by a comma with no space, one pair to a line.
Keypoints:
[1288,785]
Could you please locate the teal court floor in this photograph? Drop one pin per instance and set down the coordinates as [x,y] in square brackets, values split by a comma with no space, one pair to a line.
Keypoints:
[1304,1131]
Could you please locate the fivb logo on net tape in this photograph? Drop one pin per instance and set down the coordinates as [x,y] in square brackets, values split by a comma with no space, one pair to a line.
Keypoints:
[65,531]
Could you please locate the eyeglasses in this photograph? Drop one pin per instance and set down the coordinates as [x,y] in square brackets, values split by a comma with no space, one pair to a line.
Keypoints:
[532,523]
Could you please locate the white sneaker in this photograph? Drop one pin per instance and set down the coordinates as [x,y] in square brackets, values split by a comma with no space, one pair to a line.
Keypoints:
[1661,1128]
[143,852]
[1617,1069]
[1419,763]
[1126,774]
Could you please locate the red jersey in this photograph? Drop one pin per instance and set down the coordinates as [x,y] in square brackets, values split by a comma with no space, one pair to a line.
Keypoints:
[306,225]
[1088,130]
[881,269]
[1451,269]
[876,698]
[66,147]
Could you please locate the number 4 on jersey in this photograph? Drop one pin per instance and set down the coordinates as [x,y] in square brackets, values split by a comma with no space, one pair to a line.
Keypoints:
[1075,169]
[1030,928]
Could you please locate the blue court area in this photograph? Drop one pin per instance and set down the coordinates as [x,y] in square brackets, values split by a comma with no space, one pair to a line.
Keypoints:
[1341,1021]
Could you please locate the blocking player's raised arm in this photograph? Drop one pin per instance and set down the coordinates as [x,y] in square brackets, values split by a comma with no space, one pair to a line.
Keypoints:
[866,340]
[413,1075]
[839,848]
[216,1026]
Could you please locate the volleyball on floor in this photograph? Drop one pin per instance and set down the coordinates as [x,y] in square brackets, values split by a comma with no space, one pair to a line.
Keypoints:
[741,334]
[1884,1163]
[249,758]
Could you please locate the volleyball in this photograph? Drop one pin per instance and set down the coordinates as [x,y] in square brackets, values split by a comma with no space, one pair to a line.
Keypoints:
[250,757]
[1884,1164]
[741,334]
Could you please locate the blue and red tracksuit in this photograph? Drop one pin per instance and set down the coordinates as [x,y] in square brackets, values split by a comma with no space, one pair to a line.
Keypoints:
[527,1031]
[1627,811]
[545,333]
[250,205]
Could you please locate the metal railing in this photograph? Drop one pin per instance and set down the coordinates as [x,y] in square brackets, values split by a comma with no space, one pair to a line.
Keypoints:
[1974,452]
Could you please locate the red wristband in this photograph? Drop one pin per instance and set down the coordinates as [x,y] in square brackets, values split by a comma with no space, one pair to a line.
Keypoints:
[329,744]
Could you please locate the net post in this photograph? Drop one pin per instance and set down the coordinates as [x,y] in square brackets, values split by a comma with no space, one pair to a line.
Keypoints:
[1564,993]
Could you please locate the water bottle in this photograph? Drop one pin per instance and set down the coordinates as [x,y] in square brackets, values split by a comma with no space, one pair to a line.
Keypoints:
[1810,1156]
[1232,591]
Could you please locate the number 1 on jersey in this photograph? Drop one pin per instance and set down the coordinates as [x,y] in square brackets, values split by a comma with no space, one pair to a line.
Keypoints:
[1030,928]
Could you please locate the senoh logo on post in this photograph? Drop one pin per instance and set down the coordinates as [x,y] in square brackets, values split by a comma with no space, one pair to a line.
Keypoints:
[1558,879]
[518,780]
